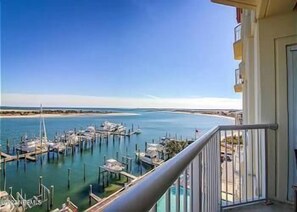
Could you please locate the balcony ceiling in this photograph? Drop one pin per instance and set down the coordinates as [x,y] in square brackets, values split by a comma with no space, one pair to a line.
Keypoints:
[245,4]
[267,8]
[264,8]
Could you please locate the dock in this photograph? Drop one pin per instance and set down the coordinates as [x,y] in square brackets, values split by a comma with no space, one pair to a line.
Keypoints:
[105,201]
[29,156]
[128,175]
[95,197]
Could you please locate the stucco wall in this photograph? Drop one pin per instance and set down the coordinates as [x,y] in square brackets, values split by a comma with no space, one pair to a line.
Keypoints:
[271,37]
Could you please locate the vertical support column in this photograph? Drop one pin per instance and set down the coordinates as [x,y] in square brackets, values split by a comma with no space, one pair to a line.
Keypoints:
[52,197]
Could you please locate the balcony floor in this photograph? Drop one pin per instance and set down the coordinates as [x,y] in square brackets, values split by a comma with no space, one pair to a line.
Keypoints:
[261,207]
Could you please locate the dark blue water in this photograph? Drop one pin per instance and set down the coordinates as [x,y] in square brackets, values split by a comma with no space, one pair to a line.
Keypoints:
[154,124]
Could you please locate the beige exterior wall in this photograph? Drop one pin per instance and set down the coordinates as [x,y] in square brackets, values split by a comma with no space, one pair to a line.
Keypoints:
[265,89]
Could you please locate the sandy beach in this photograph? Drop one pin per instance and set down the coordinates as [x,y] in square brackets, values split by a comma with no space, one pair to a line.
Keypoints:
[68,115]
[204,114]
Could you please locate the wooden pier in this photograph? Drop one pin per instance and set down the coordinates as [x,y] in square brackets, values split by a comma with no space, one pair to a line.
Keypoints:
[29,156]
[132,177]
[105,201]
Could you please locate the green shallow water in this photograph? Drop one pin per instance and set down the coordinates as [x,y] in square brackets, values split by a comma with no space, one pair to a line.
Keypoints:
[54,171]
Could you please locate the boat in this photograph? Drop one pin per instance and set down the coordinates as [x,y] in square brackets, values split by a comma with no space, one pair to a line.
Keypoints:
[109,126]
[89,133]
[6,205]
[30,145]
[151,155]
[113,127]
[138,131]
[113,165]
[59,146]
[121,129]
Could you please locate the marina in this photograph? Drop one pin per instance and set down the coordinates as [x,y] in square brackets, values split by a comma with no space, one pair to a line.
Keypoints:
[72,170]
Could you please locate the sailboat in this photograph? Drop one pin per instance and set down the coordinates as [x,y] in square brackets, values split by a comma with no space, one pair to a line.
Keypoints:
[30,145]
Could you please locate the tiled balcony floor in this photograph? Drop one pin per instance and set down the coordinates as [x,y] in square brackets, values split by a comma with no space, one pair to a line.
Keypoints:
[261,207]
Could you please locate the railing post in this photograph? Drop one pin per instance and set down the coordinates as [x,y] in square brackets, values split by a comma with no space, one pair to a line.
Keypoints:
[177,192]
[167,200]
[266,164]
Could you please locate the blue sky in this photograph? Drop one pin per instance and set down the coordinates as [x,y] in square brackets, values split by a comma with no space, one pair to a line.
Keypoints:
[155,49]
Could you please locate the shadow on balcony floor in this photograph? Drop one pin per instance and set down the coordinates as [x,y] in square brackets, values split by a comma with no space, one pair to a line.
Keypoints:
[261,207]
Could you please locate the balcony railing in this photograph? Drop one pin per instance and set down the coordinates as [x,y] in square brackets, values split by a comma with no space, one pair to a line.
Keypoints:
[237,33]
[238,77]
[237,45]
[238,81]
[225,167]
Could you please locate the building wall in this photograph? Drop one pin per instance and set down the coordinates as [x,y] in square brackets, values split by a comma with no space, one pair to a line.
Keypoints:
[266,89]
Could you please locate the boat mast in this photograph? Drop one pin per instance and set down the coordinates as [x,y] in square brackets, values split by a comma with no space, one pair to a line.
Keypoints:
[40,123]
[44,130]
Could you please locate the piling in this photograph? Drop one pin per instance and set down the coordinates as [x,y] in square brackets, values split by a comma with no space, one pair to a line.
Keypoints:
[138,155]
[84,172]
[25,164]
[69,172]
[4,168]
[7,146]
[117,156]
[39,186]
[48,205]
[145,146]
[52,197]
[48,156]
[90,195]
[99,173]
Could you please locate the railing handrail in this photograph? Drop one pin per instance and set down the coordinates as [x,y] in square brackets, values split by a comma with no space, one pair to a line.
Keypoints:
[143,195]
[248,127]
[237,32]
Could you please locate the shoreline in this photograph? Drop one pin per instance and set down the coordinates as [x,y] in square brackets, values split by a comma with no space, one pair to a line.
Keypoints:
[204,114]
[69,115]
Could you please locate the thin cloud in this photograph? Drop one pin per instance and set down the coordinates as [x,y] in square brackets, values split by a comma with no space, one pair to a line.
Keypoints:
[152,96]
[30,100]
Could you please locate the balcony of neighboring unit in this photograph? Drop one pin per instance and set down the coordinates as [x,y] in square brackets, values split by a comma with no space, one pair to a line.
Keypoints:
[238,81]
[237,45]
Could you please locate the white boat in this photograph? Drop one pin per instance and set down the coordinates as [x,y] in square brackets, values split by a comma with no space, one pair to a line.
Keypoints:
[108,126]
[90,132]
[6,205]
[113,127]
[151,156]
[59,146]
[138,131]
[113,165]
[156,147]
[121,129]
[30,145]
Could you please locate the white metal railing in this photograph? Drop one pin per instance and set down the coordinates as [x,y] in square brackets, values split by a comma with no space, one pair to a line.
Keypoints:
[225,167]
[237,33]
[238,77]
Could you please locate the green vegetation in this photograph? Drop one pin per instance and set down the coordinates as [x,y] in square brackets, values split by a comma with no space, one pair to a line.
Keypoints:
[235,140]
[172,147]
[62,112]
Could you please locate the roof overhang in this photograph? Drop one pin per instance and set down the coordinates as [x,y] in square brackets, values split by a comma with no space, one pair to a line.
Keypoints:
[264,8]
[245,4]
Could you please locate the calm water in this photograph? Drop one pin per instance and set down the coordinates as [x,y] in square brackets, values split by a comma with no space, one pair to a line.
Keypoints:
[152,123]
